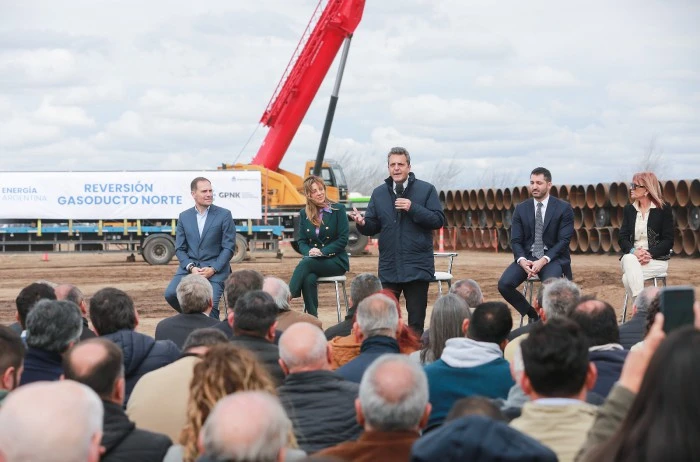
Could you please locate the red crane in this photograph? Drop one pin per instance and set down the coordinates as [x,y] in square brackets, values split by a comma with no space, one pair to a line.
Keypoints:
[303,76]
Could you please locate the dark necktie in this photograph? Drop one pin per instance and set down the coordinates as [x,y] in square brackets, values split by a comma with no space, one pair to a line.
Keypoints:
[538,245]
[399,189]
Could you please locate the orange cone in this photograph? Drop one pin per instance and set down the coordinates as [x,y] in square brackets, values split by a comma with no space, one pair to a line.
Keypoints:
[45,257]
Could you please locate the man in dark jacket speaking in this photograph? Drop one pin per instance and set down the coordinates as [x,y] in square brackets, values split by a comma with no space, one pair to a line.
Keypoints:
[404,211]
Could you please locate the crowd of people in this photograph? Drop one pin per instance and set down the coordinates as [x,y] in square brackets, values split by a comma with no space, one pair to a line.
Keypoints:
[264,385]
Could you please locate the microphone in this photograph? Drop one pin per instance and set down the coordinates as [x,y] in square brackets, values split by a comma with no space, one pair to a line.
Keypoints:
[399,189]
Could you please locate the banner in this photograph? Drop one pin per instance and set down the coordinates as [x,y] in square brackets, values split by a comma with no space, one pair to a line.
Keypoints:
[120,195]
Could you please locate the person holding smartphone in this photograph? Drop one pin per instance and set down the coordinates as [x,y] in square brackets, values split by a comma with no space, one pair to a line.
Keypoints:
[646,234]
[323,235]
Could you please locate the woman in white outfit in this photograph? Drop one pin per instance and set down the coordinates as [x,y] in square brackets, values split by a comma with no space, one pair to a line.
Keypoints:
[646,234]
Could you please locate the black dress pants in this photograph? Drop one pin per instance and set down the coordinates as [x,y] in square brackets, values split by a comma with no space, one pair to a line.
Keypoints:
[416,295]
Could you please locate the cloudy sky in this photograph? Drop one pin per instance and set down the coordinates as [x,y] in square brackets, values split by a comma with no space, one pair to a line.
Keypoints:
[495,88]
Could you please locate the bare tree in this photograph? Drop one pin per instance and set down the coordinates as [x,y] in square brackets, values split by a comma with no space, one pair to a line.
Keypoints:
[653,159]
[363,173]
[492,178]
[444,173]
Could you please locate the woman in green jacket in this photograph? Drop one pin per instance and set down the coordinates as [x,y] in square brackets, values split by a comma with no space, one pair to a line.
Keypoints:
[323,235]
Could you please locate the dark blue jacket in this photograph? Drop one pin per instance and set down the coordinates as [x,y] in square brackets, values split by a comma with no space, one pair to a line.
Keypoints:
[633,330]
[609,365]
[41,365]
[405,238]
[142,354]
[371,349]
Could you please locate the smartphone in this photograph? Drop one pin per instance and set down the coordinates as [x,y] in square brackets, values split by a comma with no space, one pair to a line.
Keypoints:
[677,306]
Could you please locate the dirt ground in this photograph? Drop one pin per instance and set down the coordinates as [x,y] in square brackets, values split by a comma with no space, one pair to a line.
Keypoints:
[597,275]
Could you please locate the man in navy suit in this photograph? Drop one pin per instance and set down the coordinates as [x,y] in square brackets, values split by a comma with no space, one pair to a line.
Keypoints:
[540,233]
[204,243]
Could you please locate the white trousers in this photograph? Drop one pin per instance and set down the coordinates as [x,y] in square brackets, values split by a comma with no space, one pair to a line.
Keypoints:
[634,273]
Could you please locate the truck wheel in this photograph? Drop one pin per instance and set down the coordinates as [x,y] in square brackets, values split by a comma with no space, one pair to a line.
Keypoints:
[356,241]
[241,249]
[158,250]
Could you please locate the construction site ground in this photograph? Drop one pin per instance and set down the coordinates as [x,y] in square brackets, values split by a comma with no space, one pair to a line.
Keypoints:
[598,275]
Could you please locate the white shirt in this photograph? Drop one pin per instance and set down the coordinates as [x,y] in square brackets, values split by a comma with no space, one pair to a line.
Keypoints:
[201,219]
[640,227]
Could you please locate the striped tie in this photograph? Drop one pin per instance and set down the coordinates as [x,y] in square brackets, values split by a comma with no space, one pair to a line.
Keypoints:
[538,245]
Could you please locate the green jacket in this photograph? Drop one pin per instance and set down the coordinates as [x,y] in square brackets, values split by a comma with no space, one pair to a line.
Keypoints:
[332,237]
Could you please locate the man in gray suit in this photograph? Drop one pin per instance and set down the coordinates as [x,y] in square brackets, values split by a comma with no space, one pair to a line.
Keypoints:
[204,243]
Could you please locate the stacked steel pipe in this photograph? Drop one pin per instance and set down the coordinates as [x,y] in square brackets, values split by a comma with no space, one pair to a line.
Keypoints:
[481,218]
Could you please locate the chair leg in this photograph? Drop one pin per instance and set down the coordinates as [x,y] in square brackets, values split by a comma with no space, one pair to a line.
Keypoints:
[624,309]
[439,288]
[337,300]
[345,295]
[522,319]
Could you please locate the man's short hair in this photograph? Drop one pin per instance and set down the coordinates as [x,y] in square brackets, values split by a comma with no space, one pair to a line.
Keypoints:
[399,151]
[196,181]
[254,313]
[393,393]
[58,421]
[474,405]
[490,322]
[102,375]
[28,297]
[73,294]
[377,315]
[112,310]
[555,355]
[364,285]
[194,293]
[469,290]
[303,345]
[597,321]
[543,171]
[257,433]
[52,325]
[239,282]
[279,291]
[645,298]
[206,336]
[12,350]
[560,298]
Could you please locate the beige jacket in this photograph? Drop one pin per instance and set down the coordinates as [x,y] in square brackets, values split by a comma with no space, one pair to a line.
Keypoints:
[159,400]
[562,428]
[287,318]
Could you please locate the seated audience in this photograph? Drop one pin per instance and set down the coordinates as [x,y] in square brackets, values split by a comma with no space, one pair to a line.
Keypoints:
[223,370]
[472,365]
[51,421]
[449,313]
[345,349]
[479,438]
[474,405]
[598,322]
[651,414]
[633,331]
[246,426]
[25,301]
[392,407]
[114,317]
[238,283]
[159,400]
[537,305]
[362,286]
[376,328]
[52,328]
[556,377]
[320,403]
[195,296]
[254,325]
[279,291]
[73,294]
[12,353]
[98,363]
[559,298]
[469,291]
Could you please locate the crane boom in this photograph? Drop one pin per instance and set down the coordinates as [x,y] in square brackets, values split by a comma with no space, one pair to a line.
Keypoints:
[301,81]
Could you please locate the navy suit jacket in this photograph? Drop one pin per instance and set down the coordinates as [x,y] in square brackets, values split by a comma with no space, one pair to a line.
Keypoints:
[558,228]
[216,246]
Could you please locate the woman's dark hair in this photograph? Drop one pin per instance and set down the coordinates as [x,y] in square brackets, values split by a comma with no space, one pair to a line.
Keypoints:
[662,423]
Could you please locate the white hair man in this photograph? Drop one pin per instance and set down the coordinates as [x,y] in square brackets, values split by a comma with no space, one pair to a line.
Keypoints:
[248,425]
[279,290]
[195,297]
[376,327]
[56,421]
[320,403]
[392,407]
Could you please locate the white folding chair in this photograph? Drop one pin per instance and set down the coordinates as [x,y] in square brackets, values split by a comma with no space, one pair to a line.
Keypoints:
[444,276]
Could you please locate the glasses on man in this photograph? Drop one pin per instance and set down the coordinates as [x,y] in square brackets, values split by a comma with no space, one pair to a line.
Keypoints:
[634,186]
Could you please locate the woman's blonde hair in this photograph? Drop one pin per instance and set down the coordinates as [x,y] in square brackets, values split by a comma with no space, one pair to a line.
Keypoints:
[223,370]
[311,208]
[652,185]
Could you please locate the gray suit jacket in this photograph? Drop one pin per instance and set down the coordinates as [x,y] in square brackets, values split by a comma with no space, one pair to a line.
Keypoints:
[216,246]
